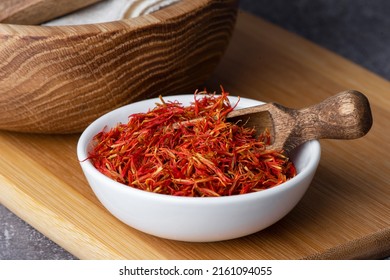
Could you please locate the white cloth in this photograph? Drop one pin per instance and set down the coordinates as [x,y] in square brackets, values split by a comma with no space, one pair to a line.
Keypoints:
[111,10]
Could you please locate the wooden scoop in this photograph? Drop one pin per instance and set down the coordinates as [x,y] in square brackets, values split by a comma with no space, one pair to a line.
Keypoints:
[346,115]
[31,12]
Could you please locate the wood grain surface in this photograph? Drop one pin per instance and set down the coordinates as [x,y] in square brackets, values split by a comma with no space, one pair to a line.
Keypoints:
[58,79]
[344,215]
[31,12]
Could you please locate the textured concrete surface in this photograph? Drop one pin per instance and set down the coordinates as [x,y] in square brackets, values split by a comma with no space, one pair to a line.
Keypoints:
[356,29]
[19,241]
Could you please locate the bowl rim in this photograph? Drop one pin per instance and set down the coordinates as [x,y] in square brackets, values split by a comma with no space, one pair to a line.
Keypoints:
[98,125]
[175,10]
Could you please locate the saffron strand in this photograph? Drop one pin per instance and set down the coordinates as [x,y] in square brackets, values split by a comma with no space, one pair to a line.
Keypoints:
[190,151]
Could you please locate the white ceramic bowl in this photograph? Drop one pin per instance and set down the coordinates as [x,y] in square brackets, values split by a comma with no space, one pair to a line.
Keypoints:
[197,219]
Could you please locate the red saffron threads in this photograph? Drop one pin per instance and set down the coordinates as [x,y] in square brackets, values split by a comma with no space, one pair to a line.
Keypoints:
[190,151]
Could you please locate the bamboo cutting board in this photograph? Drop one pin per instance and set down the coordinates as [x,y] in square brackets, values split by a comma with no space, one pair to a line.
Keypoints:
[345,214]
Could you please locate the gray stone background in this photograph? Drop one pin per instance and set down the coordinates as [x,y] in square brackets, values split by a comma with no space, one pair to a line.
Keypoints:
[356,29]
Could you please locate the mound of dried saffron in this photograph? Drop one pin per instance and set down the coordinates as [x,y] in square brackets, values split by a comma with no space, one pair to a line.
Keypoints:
[189,151]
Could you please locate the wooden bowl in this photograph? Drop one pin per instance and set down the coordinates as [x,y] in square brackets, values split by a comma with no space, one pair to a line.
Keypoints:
[59,79]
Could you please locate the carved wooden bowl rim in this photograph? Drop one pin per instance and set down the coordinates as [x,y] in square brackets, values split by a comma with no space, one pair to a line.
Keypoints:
[174,10]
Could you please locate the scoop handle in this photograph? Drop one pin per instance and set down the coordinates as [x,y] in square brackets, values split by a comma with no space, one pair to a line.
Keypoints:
[346,115]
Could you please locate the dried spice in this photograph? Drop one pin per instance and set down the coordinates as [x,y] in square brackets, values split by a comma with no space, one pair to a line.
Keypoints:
[190,151]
